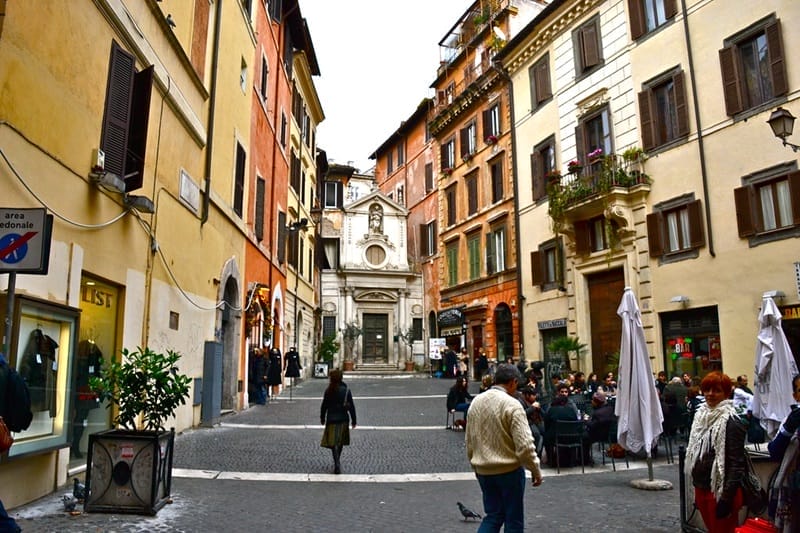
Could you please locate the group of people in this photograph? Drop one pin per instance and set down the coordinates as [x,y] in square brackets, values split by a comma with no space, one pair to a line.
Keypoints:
[266,369]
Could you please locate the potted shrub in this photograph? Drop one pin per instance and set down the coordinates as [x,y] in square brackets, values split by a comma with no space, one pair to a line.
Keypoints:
[350,334]
[129,469]
[408,338]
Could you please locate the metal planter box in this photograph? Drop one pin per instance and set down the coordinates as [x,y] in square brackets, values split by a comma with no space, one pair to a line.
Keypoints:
[129,471]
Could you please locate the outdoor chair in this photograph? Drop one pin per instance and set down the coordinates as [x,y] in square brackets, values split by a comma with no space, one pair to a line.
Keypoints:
[569,436]
[611,438]
[452,417]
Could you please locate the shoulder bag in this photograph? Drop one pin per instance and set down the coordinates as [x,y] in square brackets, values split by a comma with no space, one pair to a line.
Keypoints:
[755,497]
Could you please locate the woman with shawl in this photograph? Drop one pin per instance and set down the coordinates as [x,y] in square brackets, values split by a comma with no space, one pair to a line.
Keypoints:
[715,457]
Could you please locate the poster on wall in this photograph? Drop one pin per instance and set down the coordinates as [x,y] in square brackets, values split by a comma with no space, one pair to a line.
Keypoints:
[435,347]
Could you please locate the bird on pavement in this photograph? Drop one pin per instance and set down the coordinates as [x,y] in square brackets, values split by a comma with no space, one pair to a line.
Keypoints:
[78,490]
[467,513]
[69,502]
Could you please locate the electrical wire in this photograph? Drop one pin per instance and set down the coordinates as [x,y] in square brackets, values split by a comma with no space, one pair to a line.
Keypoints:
[53,211]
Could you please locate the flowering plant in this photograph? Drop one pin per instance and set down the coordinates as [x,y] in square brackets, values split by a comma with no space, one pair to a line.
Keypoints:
[491,139]
[553,175]
[594,154]
[447,171]
[574,165]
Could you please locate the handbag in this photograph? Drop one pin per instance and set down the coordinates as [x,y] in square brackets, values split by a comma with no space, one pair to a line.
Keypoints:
[6,440]
[755,497]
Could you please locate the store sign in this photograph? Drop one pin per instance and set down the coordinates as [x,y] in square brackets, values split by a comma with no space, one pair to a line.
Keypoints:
[552,324]
[681,347]
[25,240]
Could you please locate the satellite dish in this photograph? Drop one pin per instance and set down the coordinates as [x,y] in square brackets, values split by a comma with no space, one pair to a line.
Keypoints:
[499,33]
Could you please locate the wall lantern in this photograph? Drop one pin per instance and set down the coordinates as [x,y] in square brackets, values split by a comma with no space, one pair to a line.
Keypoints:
[782,123]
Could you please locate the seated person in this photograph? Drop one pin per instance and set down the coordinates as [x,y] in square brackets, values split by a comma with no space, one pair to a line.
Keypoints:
[486,383]
[458,397]
[533,410]
[560,409]
[598,426]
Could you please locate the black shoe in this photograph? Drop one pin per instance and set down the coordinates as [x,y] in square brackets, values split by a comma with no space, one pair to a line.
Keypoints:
[337,469]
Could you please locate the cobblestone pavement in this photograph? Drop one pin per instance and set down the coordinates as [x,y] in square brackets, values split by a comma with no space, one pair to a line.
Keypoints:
[263,470]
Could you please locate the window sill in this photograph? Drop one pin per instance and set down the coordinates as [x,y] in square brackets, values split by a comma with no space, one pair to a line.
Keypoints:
[774,235]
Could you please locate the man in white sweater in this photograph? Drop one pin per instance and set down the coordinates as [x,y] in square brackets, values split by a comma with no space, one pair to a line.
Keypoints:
[500,448]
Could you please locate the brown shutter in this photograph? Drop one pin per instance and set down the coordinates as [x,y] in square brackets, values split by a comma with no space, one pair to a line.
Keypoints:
[582,238]
[537,269]
[730,80]
[487,123]
[537,176]
[114,138]
[744,211]
[579,147]
[670,8]
[590,38]
[442,157]
[339,195]
[794,195]
[681,107]
[696,234]
[464,137]
[499,105]
[655,239]
[423,241]
[776,63]
[281,237]
[258,228]
[636,11]
[542,75]
[435,239]
[646,119]
[137,129]
[534,87]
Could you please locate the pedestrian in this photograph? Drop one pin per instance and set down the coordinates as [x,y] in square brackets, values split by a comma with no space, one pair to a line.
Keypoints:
[500,448]
[463,359]
[481,363]
[451,363]
[336,413]
[785,447]
[715,456]
[6,522]
[274,379]
[260,367]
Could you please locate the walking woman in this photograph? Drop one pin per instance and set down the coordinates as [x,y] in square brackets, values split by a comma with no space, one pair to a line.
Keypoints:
[337,404]
[715,456]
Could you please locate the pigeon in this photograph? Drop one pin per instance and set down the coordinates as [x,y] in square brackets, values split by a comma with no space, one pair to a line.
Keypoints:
[467,513]
[69,502]
[78,490]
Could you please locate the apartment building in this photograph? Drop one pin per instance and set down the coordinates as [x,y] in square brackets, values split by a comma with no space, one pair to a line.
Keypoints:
[645,160]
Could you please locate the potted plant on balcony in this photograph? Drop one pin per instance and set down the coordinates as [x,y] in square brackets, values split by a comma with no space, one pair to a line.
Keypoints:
[350,334]
[447,171]
[491,139]
[129,469]
[574,166]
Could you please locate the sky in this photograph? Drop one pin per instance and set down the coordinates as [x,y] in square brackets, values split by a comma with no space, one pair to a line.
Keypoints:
[377,60]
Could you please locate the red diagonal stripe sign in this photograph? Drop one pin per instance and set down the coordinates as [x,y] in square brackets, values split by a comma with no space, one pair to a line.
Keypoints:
[11,248]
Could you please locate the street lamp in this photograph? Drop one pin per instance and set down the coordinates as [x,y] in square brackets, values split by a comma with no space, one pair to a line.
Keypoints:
[782,123]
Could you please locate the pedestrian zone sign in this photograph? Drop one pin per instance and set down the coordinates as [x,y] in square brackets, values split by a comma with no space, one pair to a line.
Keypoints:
[25,240]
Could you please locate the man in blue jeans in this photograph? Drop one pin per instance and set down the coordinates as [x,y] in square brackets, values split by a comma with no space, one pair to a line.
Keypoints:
[500,448]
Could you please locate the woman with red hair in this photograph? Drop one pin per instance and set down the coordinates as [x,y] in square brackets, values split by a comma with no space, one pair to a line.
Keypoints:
[715,457]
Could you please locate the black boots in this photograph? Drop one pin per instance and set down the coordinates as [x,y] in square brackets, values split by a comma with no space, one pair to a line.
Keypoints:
[337,453]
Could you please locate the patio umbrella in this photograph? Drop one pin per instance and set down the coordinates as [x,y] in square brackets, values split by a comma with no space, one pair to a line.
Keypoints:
[775,367]
[637,407]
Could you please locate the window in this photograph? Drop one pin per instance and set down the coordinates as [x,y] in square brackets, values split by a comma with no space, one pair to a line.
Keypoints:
[452,264]
[303,188]
[539,75]
[328,327]
[593,132]
[472,193]
[247,5]
[753,67]
[243,77]
[294,172]
[428,236]
[263,86]
[284,124]
[389,163]
[474,251]
[647,15]
[543,161]
[469,140]
[450,196]
[401,195]
[663,111]
[496,171]
[593,235]
[238,182]
[448,154]
[401,155]
[416,329]
[496,250]
[258,229]
[547,265]
[274,9]
[333,194]
[491,124]
[675,227]
[125,118]
[330,256]
[429,177]
[587,46]
[769,205]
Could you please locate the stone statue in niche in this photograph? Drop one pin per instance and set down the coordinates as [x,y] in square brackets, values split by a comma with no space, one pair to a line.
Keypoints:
[376,219]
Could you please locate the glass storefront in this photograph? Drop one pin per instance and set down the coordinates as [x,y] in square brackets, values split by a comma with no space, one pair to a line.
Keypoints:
[691,341]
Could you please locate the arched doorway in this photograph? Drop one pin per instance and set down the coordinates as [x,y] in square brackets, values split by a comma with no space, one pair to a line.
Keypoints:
[229,336]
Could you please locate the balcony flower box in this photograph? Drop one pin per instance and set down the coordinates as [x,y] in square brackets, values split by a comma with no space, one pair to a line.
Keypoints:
[491,139]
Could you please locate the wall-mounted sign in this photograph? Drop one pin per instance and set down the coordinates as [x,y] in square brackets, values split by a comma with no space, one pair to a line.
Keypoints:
[552,324]
[25,240]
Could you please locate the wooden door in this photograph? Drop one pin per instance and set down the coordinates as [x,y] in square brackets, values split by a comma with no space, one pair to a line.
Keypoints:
[605,294]
[375,338]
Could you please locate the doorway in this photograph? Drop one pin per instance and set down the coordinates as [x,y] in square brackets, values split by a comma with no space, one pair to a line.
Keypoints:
[605,293]
[375,345]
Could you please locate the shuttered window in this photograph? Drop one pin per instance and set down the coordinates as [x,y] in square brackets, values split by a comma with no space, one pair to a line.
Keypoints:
[588,47]
[663,111]
[539,76]
[258,227]
[542,165]
[647,15]
[676,227]
[238,181]
[769,206]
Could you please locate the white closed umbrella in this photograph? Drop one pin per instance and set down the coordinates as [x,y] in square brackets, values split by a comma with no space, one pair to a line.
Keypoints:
[774,369]
[638,408]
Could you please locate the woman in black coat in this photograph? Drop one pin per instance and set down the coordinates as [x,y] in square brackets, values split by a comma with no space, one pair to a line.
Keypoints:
[336,412]
[274,379]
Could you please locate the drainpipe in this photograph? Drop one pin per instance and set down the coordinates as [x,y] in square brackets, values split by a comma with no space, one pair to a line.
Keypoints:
[514,176]
[211,112]
[700,145]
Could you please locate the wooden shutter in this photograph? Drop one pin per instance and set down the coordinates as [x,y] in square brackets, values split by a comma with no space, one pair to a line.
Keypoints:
[543,80]
[590,44]
[537,176]
[258,229]
[137,129]
[681,106]
[636,12]
[428,177]
[486,119]
[443,157]
[434,237]
[579,147]
[744,211]
[537,268]
[238,185]
[670,8]
[696,234]
[533,86]
[281,237]
[794,195]
[464,138]
[491,254]
[776,63]
[423,240]
[339,194]
[655,238]
[116,117]
[582,238]
[731,88]
[646,120]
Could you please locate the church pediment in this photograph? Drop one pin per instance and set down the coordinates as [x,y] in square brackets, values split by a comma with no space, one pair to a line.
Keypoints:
[375,296]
